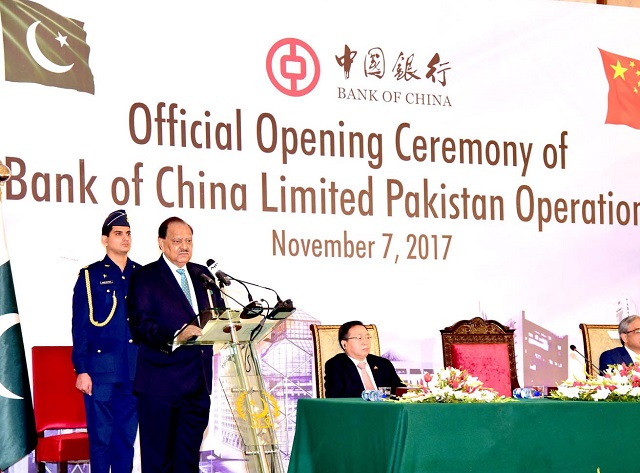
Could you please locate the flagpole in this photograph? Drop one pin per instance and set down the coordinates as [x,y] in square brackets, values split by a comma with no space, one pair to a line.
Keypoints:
[5,175]
[18,436]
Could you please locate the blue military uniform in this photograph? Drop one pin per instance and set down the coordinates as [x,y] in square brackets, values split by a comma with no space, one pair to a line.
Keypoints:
[103,348]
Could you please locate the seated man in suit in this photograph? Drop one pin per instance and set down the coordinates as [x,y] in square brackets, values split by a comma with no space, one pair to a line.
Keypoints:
[629,330]
[348,374]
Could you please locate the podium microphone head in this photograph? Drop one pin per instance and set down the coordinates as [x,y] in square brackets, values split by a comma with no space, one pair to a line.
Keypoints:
[223,278]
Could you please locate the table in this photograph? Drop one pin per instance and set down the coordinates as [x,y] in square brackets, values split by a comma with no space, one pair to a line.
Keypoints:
[537,436]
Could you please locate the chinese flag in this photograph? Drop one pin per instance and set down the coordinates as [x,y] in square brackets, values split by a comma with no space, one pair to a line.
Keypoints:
[623,75]
[45,47]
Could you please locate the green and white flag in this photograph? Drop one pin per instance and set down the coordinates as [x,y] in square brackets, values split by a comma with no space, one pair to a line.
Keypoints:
[44,47]
[18,428]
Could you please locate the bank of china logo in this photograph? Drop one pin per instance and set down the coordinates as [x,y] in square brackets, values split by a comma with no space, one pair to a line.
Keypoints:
[44,47]
[293,67]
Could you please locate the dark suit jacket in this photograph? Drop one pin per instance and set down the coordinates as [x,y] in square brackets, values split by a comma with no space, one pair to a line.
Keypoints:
[103,349]
[615,356]
[342,379]
[157,309]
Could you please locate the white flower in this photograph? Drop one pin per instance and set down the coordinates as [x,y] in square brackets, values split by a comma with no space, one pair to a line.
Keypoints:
[621,389]
[616,384]
[600,394]
[451,385]
[618,379]
[572,392]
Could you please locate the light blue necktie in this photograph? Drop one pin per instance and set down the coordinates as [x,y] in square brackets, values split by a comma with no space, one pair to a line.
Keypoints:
[184,284]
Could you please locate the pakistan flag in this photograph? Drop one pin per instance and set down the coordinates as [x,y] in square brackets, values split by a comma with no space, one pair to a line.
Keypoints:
[18,432]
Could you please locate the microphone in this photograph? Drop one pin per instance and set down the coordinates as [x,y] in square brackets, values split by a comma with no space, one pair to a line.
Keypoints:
[281,310]
[249,311]
[573,348]
[211,312]
[208,282]
[267,288]
[223,278]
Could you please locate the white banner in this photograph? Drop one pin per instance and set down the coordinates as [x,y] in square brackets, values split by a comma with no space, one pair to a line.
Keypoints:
[408,164]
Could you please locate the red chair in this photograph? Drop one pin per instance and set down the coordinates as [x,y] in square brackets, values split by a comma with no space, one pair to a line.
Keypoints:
[58,405]
[485,349]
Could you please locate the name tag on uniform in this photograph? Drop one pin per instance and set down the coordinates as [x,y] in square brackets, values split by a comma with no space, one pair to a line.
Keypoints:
[102,283]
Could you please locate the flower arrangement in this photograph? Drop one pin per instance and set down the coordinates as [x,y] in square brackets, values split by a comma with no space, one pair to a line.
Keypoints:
[451,385]
[619,383]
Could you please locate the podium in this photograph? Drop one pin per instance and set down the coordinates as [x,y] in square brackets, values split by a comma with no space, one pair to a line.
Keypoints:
[254,409]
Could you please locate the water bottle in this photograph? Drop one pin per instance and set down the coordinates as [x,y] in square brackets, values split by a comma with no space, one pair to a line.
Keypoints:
[526,393]
[371,395]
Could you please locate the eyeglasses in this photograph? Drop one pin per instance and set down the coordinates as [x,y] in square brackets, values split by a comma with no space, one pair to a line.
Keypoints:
[360,338]
[633,331]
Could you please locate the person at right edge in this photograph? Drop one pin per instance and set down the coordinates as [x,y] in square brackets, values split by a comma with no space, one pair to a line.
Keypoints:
[348,374]
[629,330]
[173,380]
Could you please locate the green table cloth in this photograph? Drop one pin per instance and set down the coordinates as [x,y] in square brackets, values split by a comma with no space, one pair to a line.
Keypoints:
[541,436]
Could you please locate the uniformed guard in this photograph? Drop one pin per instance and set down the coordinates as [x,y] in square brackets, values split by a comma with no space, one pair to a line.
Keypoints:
[104,355]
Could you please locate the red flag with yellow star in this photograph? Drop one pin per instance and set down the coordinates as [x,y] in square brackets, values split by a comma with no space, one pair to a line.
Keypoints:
[623,75]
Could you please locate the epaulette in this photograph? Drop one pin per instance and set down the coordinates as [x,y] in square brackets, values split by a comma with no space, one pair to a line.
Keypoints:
[84,267]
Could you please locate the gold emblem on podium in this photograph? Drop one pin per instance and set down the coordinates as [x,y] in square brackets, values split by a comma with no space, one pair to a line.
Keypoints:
[254,408]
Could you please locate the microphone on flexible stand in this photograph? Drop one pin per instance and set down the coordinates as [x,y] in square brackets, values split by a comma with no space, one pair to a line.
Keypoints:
[212,312]
[253,309]
[573,348]
[262,287]
[223,278]
[281,310]
[249,311]
[208,281]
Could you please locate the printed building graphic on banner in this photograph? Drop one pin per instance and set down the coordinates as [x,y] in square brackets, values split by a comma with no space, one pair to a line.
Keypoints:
[542,356]
[44,47]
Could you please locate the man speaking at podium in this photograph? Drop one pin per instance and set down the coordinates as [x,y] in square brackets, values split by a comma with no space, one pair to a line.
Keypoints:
[173,381]
[348,374]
